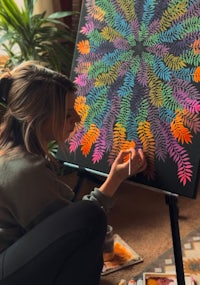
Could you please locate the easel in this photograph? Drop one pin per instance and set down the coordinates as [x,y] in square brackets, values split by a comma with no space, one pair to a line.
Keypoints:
[82,174]
[171,201]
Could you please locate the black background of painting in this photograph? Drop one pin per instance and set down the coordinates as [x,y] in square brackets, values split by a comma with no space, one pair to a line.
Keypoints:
[165,179]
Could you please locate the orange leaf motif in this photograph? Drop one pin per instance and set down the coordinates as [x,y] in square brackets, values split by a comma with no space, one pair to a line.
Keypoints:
[197,74]
[81,108]
[89,138]
[119,142]
[179,131]
[83,47]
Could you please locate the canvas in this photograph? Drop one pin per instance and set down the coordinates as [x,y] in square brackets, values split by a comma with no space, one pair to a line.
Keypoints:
[137,70]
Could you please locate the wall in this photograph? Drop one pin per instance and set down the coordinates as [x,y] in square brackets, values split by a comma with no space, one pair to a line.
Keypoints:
[40,5]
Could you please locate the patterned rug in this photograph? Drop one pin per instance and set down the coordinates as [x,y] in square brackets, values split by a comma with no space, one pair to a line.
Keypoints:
[191,258]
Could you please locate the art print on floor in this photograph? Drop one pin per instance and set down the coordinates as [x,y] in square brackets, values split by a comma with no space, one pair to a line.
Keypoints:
[137,70]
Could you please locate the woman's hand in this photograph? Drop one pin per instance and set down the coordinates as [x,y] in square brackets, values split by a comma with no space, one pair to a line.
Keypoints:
[127,163]
[130,160]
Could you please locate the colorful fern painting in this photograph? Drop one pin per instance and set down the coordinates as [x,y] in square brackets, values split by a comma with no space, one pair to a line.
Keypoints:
[137,70]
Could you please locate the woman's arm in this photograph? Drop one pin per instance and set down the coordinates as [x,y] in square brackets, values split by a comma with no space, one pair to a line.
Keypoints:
[132,161]
[120,170]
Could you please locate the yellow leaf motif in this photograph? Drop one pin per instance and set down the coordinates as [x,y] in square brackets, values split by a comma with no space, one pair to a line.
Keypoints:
[148,142]
[119,141]
[128,9]
[96,12]
[173,13]
[174,62]
[128,144]
[155,92]
[146,137]
[83,67]
[110,34]
[109,77]
[119,136]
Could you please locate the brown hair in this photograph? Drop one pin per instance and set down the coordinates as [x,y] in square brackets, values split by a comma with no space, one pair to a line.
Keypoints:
[33,93]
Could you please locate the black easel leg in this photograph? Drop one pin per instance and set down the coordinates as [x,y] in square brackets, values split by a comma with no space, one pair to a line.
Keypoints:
[171,200]
[81,176]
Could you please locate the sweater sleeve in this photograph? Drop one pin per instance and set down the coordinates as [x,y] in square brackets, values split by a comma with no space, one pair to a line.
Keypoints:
[103,201]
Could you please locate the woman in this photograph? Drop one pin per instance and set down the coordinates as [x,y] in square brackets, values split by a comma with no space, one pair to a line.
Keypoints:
[44,237]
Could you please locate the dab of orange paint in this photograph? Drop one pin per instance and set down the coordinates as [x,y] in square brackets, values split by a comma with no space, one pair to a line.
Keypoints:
[197,74]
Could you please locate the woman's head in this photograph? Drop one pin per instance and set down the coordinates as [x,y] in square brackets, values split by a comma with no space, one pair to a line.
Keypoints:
[37,99]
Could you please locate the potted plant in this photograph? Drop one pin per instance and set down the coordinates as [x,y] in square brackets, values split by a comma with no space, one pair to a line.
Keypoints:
[28,36]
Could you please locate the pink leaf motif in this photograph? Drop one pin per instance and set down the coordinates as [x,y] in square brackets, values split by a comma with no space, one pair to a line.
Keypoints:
[121,44]
[154,27]
[88,28]
[75,141]
[142,75]
[100,147]
[124,68]
[159,50]
[192,105]
[81,80]
[181,157]
[134,24]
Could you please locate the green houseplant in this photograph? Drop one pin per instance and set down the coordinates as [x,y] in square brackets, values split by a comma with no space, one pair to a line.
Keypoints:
[28,36]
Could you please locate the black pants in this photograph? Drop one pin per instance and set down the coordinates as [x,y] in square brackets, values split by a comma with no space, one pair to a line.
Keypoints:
[65,248]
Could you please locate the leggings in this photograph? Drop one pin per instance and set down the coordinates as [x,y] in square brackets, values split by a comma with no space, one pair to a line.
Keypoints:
[65,248]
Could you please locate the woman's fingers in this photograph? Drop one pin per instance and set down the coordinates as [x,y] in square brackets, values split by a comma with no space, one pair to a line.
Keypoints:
[142,163]
[138,162]
[131,160]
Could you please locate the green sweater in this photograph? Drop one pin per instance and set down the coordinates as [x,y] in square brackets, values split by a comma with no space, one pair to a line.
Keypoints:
[29,192]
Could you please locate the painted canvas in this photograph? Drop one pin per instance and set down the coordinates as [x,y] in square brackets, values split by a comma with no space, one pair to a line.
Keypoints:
[137,70]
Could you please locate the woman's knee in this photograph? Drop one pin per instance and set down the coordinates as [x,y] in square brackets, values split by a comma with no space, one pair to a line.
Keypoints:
[78,216]
[91,214]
